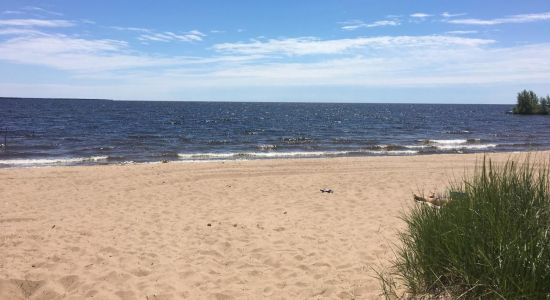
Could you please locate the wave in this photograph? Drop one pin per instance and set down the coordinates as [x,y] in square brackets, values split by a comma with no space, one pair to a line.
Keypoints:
[457,144]
[454,141]
[51,161]
[266,147]
[167,155]
[244,155]
[446,142]
[349,141]
[293,154]
[457,132]
[219,142]
[392,152]
[418,146]
[297,140]
[205,155]
[389,147]
[269,151]
[466,147]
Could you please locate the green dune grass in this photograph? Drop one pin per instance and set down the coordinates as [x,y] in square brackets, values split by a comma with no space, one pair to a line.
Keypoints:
[491,241]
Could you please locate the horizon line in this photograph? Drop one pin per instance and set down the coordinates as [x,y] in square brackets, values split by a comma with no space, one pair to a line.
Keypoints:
[248,101]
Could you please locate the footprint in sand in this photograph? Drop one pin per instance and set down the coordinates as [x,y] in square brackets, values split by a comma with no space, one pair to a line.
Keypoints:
[16,289]
[139,272]
[70,282]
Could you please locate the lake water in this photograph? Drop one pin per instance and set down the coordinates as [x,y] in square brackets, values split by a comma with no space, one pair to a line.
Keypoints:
[60,132]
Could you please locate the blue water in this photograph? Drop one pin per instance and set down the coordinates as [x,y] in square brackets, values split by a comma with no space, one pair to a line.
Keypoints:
[57,132]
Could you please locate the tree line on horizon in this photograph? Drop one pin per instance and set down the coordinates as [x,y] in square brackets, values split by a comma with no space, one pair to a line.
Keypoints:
[530,104]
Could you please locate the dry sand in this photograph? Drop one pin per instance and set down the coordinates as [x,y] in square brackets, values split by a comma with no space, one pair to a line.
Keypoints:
[231,230]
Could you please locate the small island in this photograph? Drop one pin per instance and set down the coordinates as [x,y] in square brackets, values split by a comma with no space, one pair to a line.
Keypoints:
[530,104]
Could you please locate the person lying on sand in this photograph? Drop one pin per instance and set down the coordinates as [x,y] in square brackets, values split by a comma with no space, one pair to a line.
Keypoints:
[432,199]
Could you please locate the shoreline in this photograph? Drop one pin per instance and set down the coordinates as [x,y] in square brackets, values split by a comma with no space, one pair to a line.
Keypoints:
[222,230]
[266,158]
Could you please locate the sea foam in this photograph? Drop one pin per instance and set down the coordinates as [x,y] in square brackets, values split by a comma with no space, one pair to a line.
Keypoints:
[459,144]
[51,161]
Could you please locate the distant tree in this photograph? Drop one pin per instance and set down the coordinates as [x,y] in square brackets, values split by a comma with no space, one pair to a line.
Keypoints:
[528,103]
[544,105]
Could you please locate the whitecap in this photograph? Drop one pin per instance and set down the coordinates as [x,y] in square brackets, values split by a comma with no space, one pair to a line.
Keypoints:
[244,155]
[446,142]
[466,147]
[392,152]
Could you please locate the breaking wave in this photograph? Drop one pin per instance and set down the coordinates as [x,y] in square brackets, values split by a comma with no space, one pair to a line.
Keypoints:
[51,161]
[290,154]
[458,144]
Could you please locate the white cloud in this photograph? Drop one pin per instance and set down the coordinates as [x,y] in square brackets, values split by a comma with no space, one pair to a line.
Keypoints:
[525,18]
[449,15]
[416,68]
[168,36]
[395,66]
[36,23]
[86,21]
[41,10]
[385,61]
[108,68]
[356,24]
[81,55]
[12,12]
[392,68]
[313,46]
[20,31]
[137,29]
[420,15]
[53,44]
[459,32]
[72,54]
[150,35]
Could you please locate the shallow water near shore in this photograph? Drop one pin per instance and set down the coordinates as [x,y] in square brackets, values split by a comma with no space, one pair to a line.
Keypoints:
[42,132]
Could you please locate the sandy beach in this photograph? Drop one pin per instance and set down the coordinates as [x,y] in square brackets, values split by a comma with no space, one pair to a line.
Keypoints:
[212,230]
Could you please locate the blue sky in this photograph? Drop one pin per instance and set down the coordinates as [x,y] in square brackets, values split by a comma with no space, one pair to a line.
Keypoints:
[338,51]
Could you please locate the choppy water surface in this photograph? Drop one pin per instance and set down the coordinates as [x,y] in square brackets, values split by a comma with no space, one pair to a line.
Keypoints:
[57,132]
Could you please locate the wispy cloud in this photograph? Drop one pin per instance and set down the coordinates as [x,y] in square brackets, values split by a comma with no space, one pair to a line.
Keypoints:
[396,61]
[74,54]
[395,66]
[136,29]
[12,12]
[111,67]
[41,10]
[459,32]
[150,35]
[524,18]
[86,21]
[420,15]
[314,46]
[85,56]
[20,31]
[36,23]
[450,15]
[168,36]
[356,24]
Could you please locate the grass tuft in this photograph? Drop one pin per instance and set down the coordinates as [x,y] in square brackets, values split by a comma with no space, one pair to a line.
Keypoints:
[492,240]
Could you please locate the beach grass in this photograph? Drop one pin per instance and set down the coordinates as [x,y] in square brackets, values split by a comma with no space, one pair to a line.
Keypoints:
[492,240]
